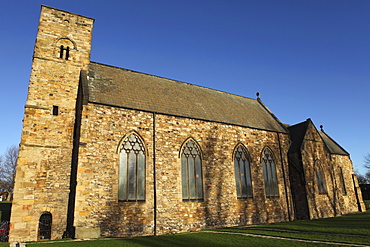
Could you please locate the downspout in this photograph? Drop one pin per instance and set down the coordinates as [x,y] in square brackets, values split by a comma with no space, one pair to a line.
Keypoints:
[285,183]
[154,179]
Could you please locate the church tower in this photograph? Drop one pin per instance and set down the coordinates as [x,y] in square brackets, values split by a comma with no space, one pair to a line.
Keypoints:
[42,187]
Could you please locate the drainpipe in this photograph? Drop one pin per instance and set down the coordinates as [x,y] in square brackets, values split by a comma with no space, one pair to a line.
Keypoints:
[285,183]
[154,179]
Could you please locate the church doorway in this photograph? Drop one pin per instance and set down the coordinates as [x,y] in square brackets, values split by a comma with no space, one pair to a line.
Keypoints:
[45,226]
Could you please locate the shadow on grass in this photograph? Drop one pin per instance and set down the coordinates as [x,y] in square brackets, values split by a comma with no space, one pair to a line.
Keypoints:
[353,224]
[201,239]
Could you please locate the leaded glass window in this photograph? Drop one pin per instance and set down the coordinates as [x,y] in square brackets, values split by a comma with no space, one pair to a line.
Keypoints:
[132,169]
[191,171]
[242,173]
[320,177]
[269,174]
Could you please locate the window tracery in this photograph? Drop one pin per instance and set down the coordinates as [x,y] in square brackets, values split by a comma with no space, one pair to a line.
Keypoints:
[132,169]
[269,174]
[242,173]
[191,171]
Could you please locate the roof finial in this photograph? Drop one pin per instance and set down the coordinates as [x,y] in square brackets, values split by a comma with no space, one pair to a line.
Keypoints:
[258,95]
[322,127]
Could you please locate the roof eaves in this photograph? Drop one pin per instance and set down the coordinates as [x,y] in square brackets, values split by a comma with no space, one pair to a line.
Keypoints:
[190,117]
[334,142]
[272,114]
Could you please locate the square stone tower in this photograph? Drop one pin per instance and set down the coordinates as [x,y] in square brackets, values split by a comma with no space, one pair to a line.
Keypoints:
[43,181]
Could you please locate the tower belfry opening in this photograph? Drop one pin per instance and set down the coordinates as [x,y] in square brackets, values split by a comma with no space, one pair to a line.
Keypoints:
[64,52]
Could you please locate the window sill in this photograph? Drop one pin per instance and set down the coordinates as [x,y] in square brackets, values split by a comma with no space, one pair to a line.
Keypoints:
[272,197]
[245,198]
[141,201]
[193,200]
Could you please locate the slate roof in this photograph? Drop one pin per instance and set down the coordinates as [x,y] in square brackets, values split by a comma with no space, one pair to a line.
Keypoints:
[134,90]
[298,131]
[333,147]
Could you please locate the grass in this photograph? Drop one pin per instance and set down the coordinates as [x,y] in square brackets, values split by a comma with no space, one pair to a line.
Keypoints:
[351,229]
[367,204]
[190,239]
[355,224]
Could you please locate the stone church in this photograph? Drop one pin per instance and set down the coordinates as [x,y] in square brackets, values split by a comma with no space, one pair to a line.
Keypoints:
[111,152]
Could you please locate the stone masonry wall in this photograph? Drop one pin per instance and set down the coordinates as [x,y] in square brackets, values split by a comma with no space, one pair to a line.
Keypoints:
[42,180]
[348,200]
[321,205]
[335,202]
[298,187]
[97,206]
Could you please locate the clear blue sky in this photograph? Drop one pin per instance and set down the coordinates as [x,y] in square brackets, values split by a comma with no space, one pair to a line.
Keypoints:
[308,59]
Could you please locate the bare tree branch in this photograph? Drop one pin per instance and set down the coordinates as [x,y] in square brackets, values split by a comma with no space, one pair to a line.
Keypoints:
[367,161]
[362,179]
[8,165]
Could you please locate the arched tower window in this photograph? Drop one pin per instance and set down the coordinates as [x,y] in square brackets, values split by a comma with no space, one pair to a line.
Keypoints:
[269,174]
[191,171]
[64,47]
[132,169]
[45,223]
[242,173]
[320,177]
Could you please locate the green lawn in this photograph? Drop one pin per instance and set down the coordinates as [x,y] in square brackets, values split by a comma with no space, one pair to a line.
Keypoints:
[355,224]
[351,229]
[200,239]
[367,204]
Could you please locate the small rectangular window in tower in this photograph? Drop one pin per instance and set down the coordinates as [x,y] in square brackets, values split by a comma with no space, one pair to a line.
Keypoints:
[55,110]
[61,51]
[67,53]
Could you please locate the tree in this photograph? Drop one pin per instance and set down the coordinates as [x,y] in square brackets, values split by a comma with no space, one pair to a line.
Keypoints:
[8,165]
[367,161]
[361,179]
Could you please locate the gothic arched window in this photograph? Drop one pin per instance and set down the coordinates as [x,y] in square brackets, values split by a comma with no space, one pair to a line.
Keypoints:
[269,174]
[242,173]
[191,171]
[132,169]
[320,177]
